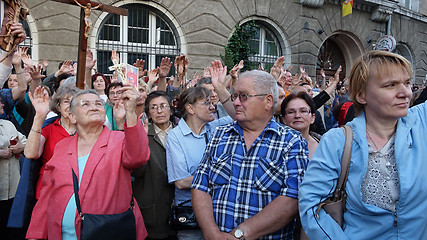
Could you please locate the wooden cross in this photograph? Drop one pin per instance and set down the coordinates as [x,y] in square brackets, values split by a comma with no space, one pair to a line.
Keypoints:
[86,7]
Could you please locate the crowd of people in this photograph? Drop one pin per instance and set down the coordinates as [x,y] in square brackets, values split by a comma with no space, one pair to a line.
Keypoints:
[252,153]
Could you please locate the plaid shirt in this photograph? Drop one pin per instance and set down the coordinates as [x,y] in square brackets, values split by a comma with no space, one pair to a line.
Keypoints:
[243,182]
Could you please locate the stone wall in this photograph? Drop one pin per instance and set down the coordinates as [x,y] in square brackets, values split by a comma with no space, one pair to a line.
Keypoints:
[207,25]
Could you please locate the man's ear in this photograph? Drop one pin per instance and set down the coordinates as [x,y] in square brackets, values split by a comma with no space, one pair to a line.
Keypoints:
[270,102]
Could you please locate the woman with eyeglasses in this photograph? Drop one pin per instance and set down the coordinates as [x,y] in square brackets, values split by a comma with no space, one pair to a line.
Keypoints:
[42,141]
[298,110]
[101,161]
[186,143]
[150,182]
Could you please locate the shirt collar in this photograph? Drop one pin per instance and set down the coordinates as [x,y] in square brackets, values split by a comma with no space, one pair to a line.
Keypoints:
[271,126]
[158,130]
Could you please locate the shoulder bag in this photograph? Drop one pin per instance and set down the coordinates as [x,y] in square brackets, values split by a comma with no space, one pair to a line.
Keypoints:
[335,205]
[105,226]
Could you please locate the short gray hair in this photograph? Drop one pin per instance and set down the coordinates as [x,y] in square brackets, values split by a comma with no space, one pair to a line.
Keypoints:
[82,92]
[264,83]
[62,92]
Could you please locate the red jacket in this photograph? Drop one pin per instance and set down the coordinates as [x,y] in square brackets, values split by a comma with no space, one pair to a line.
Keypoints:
[105,187]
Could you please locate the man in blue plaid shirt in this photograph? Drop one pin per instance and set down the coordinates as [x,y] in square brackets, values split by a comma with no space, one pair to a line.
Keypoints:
[247,183]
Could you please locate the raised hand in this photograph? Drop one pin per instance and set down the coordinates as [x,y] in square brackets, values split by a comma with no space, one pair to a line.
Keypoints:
[165,66]
[140,63]
[181,65]
[337,74]
[277,67]
[119,114]
[67,67]
[40,101]
[16,60]
[218,75]
[26,58]
[114,77]
[302,71]
[153,75]
[115,56]
[206,72]
[235,71]
[45,63]
[195,79]
[18,31]
[90,62]
[322,73]
[35,72]
[130,97]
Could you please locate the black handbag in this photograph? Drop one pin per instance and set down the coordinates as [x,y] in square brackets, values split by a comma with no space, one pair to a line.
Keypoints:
[182,217]
[105,226]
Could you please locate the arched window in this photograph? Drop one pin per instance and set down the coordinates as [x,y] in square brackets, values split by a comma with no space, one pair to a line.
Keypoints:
[266,47]
[145,33]
[28,42]
[404,50]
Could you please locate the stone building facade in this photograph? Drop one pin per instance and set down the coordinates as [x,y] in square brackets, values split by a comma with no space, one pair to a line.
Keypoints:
[309,32]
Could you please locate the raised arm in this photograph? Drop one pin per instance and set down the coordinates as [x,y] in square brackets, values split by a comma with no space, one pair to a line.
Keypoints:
[333,84]
[136,152]
[35,142]
[90,63]
[277,67]
[18,31]
[220,83]
[235,71]
[165,66]
[18,92]
[181,67]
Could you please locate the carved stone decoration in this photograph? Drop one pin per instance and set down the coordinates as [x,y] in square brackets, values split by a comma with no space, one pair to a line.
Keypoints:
[312,3]
[381,14]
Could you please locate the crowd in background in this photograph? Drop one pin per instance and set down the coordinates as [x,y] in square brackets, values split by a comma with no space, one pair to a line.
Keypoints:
[163,132]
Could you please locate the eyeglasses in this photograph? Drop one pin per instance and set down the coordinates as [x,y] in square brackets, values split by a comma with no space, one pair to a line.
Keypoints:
[303,111]
[206,103]
[243,96]
[86,104]
[155,108]
[117,93]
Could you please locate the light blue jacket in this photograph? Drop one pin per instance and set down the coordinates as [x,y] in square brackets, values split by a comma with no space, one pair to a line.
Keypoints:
[364,221]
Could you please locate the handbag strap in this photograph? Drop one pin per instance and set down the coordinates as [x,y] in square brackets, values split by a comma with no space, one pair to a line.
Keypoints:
[179,205]
[77,198]
[345,162]
[76,193]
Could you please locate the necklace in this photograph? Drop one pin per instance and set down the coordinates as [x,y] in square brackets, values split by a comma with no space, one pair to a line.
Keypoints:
[72,133]
[370,138]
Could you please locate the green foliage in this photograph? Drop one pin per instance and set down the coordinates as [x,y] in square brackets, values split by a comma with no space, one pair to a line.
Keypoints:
[238,47]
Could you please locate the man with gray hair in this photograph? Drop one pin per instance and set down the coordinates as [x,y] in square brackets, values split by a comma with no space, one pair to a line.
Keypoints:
[246,185]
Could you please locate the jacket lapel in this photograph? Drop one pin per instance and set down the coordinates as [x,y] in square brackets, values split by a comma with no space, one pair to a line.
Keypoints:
[95,156]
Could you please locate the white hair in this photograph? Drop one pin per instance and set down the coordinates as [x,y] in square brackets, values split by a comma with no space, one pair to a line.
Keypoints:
[264,83]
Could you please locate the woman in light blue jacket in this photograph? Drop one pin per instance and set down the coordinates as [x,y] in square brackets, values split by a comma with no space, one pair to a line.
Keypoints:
[387,182]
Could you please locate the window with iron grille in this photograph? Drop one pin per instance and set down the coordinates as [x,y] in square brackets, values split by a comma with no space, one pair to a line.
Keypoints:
[265,47]
[145,33]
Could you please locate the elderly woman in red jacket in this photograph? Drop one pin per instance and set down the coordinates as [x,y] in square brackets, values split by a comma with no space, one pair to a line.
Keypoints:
[102,160]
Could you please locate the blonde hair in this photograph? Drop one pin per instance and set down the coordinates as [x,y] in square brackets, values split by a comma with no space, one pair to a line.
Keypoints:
[381,63]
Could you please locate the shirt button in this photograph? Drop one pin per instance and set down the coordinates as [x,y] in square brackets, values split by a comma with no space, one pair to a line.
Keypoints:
[387,178]
[387,164]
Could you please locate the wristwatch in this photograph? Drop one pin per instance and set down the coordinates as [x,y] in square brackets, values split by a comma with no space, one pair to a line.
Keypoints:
[238,234]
